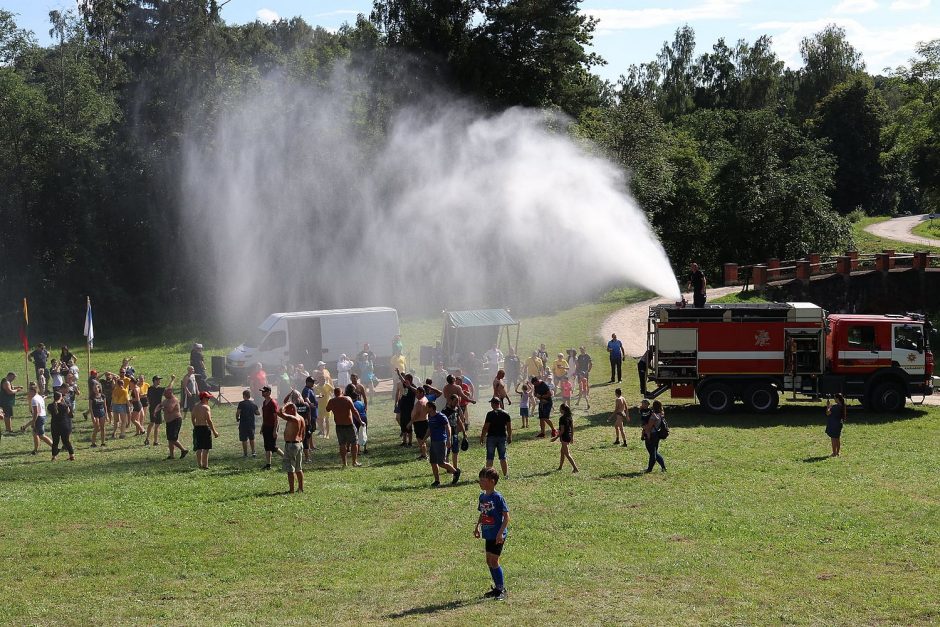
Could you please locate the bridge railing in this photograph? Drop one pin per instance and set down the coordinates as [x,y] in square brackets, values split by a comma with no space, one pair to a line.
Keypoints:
[758,275]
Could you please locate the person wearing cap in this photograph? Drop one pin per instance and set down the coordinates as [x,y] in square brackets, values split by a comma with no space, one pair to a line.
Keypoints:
[294,429]
[173,418]
[245,417]
[203,430]
[269,411]
[496,434]
[154,396]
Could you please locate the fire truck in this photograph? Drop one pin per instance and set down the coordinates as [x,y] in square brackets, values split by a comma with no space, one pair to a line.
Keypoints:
[756,352]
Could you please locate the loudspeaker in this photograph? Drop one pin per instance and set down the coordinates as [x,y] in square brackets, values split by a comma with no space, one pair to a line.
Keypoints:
[218,367]
[427,356]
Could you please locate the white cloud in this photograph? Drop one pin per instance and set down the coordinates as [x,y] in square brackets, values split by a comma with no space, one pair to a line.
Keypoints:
[338,12]
[909,5]
[626,19]
[267,15]
[855,6]
[880,47]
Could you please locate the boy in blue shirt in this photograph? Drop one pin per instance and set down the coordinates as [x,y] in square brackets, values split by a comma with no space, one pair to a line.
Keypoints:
[491,526]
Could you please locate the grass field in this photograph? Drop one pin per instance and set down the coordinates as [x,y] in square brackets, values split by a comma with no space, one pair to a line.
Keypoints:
[928,228]
[752,524]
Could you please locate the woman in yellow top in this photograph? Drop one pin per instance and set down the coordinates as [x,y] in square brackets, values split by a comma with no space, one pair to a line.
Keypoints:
[324,391]
[560,367]
[119,400]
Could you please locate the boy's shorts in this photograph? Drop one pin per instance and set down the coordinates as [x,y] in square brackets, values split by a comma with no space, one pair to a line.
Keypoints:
[246,430]
[39,426]
[524,412]
[494,548]
[293,457]
[545,410]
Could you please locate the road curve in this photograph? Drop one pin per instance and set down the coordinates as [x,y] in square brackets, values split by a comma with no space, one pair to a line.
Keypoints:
[899,229]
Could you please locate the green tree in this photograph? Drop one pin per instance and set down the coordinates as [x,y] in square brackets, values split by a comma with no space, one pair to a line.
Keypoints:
[829,59]
[851,119]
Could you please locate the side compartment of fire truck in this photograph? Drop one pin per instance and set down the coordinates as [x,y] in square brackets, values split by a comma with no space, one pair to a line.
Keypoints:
[751,353]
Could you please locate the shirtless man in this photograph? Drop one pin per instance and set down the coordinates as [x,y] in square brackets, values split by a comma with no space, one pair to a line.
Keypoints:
[453,388]
[499,389]
[190,390]
[345,415]
[203,429]
[173,419]
[360,389]
[419,421]
[620,413]
[294,429]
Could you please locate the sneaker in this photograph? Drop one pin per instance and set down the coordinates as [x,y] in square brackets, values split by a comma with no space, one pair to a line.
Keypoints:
[267,467]
[491,594]
[554,433]
[244,455]
[501,595]
[456,476]
[616,442]
[436,484]
[254,454]
[93,445]
[541,435]
[624,444]
[184,453]
[146,442]
[170,457]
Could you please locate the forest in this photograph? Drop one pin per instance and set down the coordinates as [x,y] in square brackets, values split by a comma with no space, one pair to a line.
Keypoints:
[731,154]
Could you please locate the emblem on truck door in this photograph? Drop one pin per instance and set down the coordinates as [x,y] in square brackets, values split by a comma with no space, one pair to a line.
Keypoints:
[911,357]
[761,338]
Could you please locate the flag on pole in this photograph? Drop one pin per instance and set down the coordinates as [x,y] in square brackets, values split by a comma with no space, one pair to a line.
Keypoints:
[89,326]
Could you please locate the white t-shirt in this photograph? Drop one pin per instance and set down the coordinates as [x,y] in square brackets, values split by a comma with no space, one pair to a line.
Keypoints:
[74,370]
[493,357]
[39,403]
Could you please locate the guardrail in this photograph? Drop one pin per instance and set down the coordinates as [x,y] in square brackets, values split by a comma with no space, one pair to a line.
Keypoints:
[756,276]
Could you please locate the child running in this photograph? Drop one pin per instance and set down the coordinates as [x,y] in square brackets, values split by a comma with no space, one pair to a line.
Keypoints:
[566,389]
[584,389]
[566,435]
[492,527]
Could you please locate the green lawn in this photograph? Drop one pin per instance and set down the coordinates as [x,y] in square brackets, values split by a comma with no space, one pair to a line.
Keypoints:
[752,524]
[928,228]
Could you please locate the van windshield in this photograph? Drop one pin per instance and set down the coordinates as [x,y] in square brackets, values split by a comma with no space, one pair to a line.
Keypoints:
[255,338]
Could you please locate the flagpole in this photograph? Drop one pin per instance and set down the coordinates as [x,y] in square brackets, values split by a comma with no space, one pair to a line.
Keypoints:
[87,340]
[26,342]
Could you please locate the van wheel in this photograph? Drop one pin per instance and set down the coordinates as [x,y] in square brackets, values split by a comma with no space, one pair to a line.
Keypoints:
[716,398]
[888,397]
[761,398]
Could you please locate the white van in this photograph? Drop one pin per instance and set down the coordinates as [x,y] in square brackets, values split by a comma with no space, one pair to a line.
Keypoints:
[308,337]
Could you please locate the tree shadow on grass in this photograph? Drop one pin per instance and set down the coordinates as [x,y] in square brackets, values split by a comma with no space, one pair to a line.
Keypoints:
[622,475]
[818,458]
[432,609]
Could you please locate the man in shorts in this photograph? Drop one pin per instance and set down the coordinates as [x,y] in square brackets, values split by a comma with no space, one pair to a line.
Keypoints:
[155,407]
[190,390]
[294,429]
[439,428]
[37,406]
[496,434]
[345,416]
[245,416]
[543,394]
[419,421]
[7,398]
[173,418]
[269,411]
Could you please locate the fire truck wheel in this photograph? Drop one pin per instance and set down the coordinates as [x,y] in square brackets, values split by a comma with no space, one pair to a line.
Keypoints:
[761,398]
[716,398]
[888,397]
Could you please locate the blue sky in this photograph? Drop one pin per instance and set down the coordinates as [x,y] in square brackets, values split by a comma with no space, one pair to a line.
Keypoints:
[632,31]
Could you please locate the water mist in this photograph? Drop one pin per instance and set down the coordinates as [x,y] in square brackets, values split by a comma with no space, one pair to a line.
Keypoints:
[293,204]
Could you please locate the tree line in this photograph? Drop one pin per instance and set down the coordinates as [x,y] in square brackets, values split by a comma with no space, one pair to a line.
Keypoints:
[731,154]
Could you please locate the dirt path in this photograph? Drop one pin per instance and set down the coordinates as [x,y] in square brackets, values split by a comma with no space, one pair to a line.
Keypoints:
[900,229]
[629,323]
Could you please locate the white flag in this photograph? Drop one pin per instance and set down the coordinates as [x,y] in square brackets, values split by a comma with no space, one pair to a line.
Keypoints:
[89,326]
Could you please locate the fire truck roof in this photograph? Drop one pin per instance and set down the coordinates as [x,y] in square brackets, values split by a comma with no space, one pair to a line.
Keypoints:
[739,312]
[876,317]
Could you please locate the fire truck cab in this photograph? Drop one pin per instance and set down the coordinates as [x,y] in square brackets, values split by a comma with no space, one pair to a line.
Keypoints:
[755,352]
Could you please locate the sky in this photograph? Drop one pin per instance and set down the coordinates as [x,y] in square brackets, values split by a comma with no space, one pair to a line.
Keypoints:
[632,31]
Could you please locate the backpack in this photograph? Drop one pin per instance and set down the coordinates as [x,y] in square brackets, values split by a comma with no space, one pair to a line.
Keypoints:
[663,431]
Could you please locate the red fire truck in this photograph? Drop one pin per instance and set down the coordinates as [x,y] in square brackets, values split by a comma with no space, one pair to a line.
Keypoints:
[755,352]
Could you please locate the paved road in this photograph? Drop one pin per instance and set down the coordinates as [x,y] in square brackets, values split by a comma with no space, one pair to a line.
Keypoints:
[900,229]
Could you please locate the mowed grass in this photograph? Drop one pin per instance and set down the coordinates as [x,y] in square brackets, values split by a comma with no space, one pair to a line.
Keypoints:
[928,228]
[752,524]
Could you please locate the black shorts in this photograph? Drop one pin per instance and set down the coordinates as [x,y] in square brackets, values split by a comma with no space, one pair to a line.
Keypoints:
[494,548]
[156,418]
[136,406]
[173,430]
[421,429]
[202,438]
[270,439]
[545,410]
[246,430]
